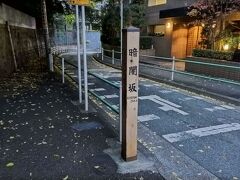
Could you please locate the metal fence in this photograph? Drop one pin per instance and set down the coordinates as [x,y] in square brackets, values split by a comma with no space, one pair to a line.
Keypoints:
[62,67]
[171,67]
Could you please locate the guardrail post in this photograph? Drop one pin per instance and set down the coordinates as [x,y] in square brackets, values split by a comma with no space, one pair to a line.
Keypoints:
[173,67]
[51,62]
[102,53]
[120,112]
[113,56]
[63,71]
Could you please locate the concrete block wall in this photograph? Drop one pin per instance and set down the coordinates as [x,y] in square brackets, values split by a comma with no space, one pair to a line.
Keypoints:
[6,58]
[16,17]
[23,32]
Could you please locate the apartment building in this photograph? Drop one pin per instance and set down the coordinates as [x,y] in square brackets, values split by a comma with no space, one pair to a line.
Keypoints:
[167,22]
[172,33]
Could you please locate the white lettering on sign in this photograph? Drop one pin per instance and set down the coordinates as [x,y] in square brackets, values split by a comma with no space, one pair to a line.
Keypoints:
[165,104]
[132,74]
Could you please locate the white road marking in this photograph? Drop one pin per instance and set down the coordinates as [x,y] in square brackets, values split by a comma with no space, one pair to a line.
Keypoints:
[74,76]
[215,108]
[148,117]
[99,89]
[111,96]
[70,73]
[219,108]
[115,72]
[109,75]
[209,109]
[228,107]
[116,82]
[148,85]
[201,132]
[91,84]
[187,98]
[166,105]
[115,106]
[165,91]
[102,97]
[198,97]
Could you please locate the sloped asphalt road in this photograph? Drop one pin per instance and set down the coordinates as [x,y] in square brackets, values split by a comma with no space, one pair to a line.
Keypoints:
[149,67]
[205,130]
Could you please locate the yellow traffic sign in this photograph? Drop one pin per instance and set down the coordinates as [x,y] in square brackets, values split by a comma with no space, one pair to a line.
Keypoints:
[79,2]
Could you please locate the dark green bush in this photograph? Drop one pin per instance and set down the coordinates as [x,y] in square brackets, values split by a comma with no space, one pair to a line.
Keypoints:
[208,53]
[114,41]
[145,42]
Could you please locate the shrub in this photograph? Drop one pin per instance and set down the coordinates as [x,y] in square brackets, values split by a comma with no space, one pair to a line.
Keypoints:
[145,42]
[207,53]
[114,41]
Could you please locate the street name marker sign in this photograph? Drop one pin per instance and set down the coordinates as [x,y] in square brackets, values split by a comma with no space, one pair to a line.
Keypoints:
[130,72]
[79,2]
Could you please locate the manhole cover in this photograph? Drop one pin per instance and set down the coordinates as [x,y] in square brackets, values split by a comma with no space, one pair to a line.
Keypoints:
[82,126]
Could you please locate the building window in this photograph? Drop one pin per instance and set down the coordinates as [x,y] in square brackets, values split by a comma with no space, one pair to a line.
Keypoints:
[156,2]
[157,30]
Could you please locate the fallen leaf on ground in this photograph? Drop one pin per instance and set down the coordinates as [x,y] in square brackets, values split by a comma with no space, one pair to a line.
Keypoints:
[65,178]
[11,164]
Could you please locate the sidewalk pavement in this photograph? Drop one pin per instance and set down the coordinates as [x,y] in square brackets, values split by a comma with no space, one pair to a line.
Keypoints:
[44,135]
[150,69]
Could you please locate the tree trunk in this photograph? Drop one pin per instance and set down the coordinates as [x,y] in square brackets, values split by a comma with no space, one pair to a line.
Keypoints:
[45,30]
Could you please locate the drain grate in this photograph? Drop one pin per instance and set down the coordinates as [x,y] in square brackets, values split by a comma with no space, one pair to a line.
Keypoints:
[82,126]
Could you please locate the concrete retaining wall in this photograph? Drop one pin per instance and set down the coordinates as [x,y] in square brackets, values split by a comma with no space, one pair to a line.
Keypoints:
[16,18]
[220,72]
[23,32]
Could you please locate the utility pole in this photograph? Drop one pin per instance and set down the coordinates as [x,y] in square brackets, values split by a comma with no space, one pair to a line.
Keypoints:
[46,31]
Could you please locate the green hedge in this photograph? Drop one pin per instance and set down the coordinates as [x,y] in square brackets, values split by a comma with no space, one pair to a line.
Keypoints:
[207,53]
[145,42]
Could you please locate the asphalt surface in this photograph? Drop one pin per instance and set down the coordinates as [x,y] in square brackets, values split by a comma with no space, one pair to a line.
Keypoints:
[206,132]
[44,135]
[151,67]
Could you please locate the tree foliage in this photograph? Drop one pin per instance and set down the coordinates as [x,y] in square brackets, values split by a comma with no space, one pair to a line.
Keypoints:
[213,10]
[111,22]
[33,7]
[211,14]
[134,14]
[93,14]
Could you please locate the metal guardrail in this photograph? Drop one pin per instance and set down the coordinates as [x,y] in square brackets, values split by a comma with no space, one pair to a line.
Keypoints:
[113,108]
[173,68]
